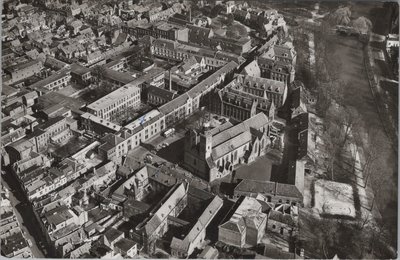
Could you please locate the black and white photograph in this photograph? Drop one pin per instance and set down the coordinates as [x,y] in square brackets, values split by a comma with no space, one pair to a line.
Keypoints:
[199,129]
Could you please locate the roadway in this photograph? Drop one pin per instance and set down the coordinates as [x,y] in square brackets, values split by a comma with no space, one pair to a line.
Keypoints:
[24,213]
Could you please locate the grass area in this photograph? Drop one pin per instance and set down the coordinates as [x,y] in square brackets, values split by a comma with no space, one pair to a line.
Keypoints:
[358,94]
[348,52]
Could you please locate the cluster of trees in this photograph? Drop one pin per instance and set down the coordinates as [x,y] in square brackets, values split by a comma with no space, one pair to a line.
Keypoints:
[343,123]
[340,124]
[342,16]
[365,237]
[212,11]
[344,239]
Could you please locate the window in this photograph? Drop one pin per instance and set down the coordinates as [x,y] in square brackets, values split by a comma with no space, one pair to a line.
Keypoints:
[273,226]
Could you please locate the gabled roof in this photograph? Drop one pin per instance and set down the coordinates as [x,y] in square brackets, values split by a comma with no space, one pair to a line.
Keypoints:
[231,145]
[200,32]
[112,234]
[110,141]
[160,92]
[22,145]
[174,104]
[201,224]
[282,218]
[254,186]
[163,208]
[252,69]
[286,50]
[125,244]
[189,63]
[288,190]
[247,214]
[257,122]
[268,85]
[208,253]
[204,85]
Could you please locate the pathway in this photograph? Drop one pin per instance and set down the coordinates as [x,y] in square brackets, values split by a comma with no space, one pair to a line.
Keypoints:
[37,253]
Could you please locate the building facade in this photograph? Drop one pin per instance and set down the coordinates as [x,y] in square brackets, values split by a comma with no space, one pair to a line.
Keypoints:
[245,226]
[115,102]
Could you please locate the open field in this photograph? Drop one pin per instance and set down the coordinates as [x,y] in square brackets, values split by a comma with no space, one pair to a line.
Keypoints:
[358,95]
[334,199]
[349,52]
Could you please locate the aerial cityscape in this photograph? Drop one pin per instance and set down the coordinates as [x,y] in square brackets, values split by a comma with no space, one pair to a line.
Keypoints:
[205,129]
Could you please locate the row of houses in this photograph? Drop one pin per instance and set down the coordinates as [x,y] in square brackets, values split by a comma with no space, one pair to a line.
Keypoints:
[175,51]
[13,240]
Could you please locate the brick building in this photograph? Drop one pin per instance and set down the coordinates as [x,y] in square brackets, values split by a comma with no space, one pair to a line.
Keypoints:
[213,153]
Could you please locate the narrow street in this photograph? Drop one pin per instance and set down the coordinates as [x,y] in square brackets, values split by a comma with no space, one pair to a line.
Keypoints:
[24,213]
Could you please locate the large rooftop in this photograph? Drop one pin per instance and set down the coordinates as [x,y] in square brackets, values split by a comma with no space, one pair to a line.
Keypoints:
[113,97]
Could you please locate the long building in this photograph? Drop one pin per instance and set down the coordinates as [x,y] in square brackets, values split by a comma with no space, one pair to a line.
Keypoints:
[176,51]
[114,146]
[184,105]
[184,247]
[162,29]
[98,125]
[56,81]
[116,101]
[156,225]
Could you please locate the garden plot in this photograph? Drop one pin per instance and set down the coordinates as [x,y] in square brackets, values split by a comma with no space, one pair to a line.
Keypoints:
[334,199]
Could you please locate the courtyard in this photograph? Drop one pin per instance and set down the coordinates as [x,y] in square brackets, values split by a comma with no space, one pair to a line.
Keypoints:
[259,170]
[334,199]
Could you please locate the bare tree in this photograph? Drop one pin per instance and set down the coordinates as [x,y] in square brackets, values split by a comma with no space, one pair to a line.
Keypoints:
[331,138]
[351,119]
[364,220]
[372,152]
